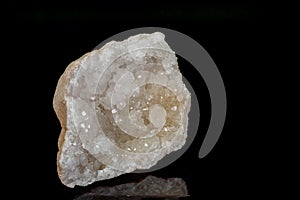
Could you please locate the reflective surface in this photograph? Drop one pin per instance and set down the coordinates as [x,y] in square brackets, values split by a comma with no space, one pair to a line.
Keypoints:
[150,187]
[237,164]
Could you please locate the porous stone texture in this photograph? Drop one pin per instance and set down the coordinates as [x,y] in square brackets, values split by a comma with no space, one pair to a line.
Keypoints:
[122,108]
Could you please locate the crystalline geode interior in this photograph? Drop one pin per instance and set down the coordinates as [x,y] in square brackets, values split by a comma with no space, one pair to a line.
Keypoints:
[122,107]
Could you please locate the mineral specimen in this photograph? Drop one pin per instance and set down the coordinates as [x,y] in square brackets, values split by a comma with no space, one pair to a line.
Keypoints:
[122,108]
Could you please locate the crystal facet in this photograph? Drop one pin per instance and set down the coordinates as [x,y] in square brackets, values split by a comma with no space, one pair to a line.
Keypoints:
[122,108]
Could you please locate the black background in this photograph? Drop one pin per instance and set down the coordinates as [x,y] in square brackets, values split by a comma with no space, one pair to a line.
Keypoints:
[51,35]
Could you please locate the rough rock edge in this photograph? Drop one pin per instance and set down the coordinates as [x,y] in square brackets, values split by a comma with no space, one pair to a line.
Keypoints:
[60,108]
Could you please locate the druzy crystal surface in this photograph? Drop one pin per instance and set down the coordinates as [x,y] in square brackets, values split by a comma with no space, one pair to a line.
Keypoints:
[122,108]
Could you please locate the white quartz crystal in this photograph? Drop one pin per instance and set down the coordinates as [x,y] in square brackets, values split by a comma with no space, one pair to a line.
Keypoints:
[122,108]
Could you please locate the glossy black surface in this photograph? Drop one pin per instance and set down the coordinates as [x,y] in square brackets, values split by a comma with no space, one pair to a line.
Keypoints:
[230,33]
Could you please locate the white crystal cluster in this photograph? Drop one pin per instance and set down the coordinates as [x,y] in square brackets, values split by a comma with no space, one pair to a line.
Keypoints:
[122,107]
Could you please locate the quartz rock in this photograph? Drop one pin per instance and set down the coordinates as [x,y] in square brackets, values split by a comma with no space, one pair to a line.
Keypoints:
[120,110]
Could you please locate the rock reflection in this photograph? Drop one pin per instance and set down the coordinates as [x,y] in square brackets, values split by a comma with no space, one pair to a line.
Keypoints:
[150,187]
